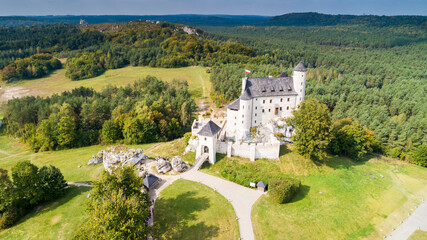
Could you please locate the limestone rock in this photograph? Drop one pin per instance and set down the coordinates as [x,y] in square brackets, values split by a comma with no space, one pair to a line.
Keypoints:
[116,156]
[163,165]
[178,164]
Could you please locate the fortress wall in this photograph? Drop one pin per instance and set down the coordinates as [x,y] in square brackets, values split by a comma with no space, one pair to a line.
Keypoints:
[221,147]
[252,151]
[270,151]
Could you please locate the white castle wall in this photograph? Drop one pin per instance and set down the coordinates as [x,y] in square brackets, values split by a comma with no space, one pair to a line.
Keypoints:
[252,151]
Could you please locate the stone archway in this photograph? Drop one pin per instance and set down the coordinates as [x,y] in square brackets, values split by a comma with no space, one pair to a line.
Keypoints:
[205,149]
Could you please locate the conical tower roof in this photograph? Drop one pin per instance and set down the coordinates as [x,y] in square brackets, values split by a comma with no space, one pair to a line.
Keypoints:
[300,67]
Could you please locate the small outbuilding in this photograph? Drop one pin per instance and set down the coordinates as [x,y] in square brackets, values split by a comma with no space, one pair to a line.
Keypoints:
[262,186]
[150,180]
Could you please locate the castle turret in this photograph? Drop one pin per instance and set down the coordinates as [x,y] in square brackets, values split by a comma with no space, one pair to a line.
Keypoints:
[246,113]
[299,76]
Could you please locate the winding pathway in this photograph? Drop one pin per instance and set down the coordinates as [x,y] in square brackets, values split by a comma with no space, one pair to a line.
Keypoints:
[241,198]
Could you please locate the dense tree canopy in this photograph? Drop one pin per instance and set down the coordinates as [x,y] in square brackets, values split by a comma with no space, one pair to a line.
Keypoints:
[29,186]
[117,208]
[311,123]
[35,66]
[147,111]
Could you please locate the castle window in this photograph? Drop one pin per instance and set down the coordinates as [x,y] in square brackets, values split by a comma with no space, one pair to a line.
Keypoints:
[256,99]
[255,114]
[243,115]
[271,100]
[272,89]
[243,107]
[280,108]
[289,99]
[205,139]
[269,110]
[276,111]
[256,108]
[263,101]
[281,100]
[300,90]
[235,117]
[255,121]
[242,122]
[287,108]
[281,88]
[301,83]
[263,110]
[300,99]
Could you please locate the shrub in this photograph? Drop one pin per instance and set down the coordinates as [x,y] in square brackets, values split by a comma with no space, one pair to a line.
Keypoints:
[396,152]
[282,190]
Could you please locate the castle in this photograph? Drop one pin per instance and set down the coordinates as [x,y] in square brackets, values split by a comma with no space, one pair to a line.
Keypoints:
[262,103]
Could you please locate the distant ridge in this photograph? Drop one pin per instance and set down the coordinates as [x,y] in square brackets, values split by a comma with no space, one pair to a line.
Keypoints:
[319,19]
[289,19]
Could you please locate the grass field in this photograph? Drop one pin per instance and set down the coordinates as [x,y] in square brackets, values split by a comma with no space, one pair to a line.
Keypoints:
[56,82]
[190,210]
[418,235]
[336,201]
[54,220]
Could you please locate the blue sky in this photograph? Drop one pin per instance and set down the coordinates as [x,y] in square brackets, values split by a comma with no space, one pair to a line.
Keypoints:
[235,7]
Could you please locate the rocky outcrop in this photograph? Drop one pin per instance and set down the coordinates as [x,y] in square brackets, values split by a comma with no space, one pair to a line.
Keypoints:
[178,164]
[115,156]
[163,165]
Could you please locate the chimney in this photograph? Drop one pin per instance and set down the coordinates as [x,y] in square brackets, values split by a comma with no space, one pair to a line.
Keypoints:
[244,81]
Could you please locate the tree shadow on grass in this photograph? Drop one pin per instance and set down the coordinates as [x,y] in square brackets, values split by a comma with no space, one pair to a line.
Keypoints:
[70,193]
[301,194]
[342,162]
[174,216]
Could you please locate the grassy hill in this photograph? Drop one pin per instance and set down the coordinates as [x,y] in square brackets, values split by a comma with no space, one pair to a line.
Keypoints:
[339,199]
[197,78]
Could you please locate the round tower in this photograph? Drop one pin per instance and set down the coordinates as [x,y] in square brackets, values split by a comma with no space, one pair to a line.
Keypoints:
[299,76]
[245,111]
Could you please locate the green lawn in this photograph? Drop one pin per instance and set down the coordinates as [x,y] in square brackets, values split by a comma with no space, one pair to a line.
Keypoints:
[55,220]
[418,235]
[337,201]
[56,82]
[190,210]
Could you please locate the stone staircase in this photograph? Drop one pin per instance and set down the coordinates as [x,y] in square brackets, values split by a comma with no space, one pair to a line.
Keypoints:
[200,160]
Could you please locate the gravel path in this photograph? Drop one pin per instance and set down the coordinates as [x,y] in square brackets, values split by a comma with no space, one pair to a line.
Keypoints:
[241,198]
[417,220]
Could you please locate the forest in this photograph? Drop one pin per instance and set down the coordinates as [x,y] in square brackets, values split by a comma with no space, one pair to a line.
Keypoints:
[370,69]
[150,110]
[91,49]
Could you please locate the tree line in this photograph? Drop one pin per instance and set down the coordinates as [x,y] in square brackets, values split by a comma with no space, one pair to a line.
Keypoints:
[147,111]
[35,66]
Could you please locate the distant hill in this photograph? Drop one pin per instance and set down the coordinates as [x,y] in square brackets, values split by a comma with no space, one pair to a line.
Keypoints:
[319,19]
[290,19]
[187,19]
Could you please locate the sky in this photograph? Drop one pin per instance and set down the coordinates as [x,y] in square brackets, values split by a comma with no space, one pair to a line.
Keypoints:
[233,7]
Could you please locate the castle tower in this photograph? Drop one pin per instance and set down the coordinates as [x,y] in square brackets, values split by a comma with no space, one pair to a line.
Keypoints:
[299,76]
[246,114]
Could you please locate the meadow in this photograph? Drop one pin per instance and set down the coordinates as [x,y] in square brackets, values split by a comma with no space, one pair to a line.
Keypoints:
[339,199]
[189,210]
[56,82]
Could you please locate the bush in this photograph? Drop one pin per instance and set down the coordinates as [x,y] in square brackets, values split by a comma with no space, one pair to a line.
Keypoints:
[282,190]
